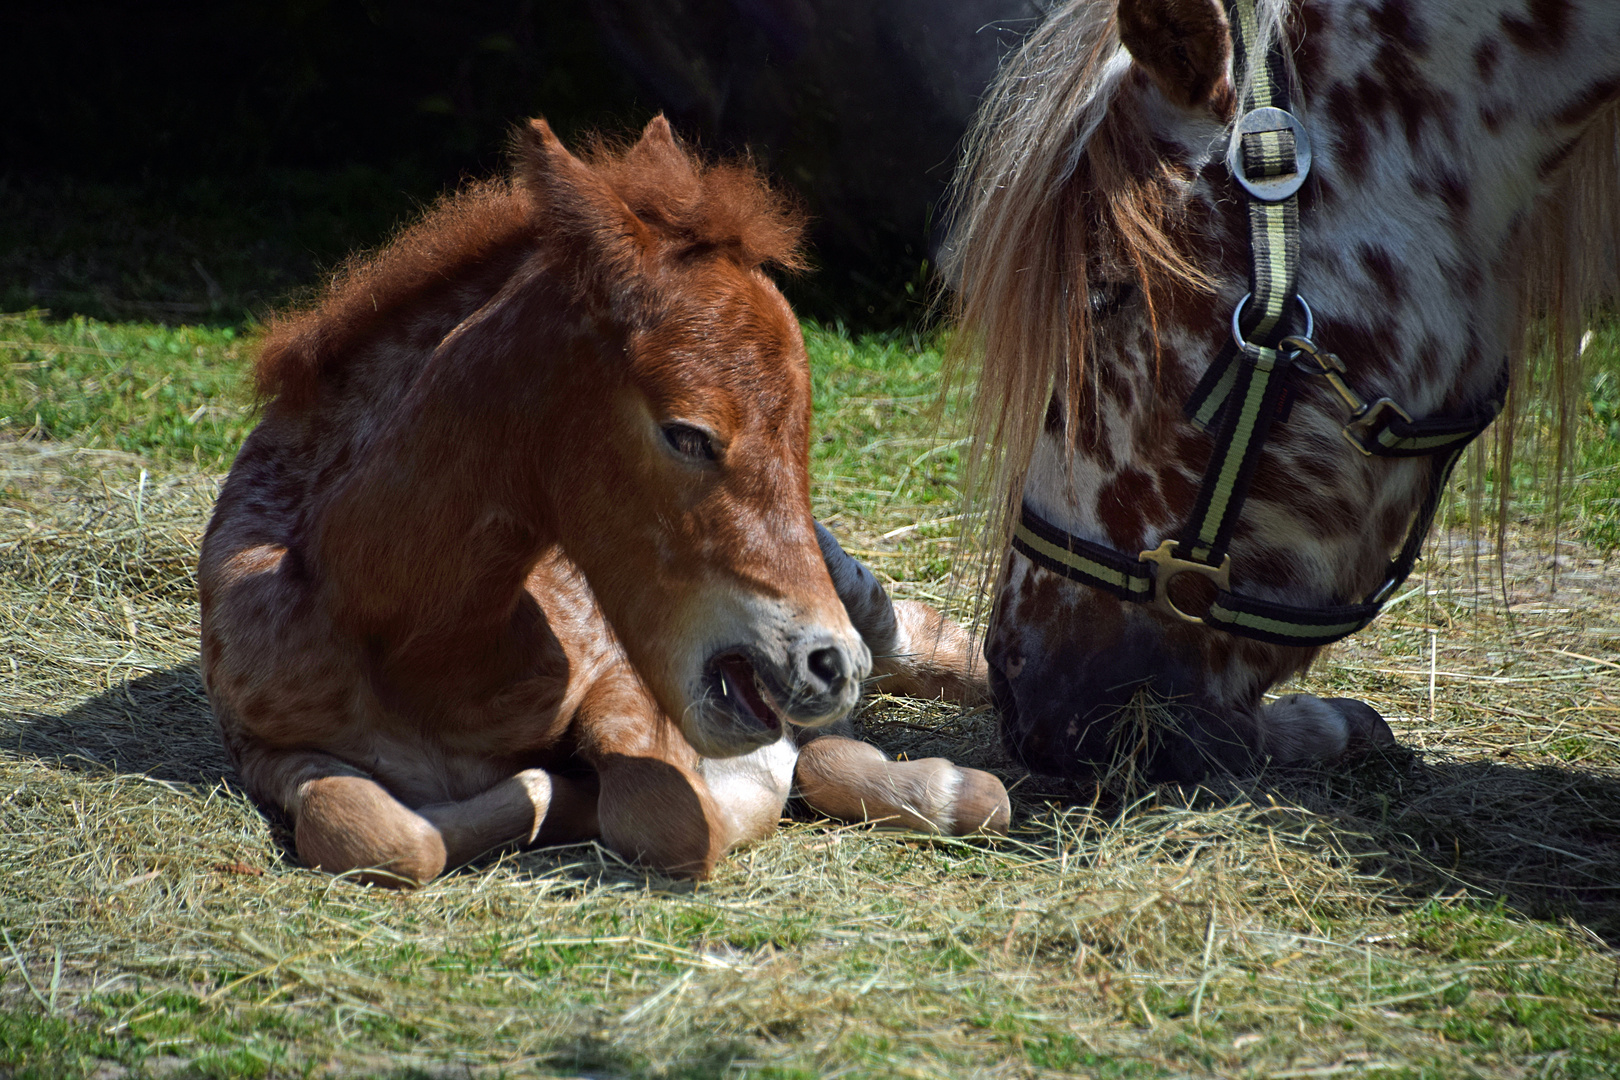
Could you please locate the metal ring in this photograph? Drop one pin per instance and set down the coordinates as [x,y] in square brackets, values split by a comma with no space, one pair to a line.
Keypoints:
[1256,122]
[1237,314]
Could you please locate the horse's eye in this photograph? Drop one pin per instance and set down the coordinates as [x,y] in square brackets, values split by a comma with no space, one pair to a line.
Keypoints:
[690,442]
[1107,297]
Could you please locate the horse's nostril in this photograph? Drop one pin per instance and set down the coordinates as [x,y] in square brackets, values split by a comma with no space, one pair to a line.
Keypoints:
[828,667]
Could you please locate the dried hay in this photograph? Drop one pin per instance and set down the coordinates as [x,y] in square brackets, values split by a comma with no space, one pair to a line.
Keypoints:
[1273,925]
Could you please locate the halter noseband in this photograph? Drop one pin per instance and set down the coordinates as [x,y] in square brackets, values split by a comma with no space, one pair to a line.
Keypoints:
[1244,392]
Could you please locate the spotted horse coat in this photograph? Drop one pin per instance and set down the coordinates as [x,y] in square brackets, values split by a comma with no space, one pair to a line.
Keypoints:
[1463,182]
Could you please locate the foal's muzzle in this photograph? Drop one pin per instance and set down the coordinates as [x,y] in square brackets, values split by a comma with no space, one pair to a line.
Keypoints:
[750,695]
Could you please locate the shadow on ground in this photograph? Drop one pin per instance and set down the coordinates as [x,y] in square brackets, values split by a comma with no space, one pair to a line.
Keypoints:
[1542,839]
[1545,839]
[158,725]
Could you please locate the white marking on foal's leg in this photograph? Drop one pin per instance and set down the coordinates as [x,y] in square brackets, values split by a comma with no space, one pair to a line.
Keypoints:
[849,780]
[752,788]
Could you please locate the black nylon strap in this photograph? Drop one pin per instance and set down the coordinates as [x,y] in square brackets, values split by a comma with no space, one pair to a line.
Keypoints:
[1285,624]
[1273,226]
[1209,397]
[1081,560]
[1395,437]
[1256,375]
[1251,405]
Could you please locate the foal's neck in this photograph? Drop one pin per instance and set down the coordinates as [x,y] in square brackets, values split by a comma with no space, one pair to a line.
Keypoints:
[427,543]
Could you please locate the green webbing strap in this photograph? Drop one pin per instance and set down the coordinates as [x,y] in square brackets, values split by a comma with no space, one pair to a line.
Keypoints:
[1260,377]
[1285,624]
[1265,155]
[1240,396]
[1398,437]
[1245,392]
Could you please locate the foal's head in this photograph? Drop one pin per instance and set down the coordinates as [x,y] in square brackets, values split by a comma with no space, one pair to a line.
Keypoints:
[1103,246]
[679,419]
[619,379]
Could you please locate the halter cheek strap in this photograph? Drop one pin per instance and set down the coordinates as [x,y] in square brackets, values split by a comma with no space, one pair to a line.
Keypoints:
[1246,390]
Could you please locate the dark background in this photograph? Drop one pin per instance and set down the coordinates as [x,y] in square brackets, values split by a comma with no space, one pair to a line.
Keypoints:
[203,161]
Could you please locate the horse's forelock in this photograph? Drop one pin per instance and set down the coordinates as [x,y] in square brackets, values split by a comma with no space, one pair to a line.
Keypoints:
[1051,177]
[726,206]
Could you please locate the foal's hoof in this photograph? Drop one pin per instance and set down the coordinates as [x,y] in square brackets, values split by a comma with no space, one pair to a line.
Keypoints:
[350,826]
[1365,729]
[981,805]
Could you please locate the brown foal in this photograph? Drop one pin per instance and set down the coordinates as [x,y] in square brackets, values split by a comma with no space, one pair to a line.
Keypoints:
[522,550]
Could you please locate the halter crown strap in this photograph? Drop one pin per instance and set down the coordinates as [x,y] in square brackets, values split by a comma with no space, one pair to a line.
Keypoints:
[1269,156]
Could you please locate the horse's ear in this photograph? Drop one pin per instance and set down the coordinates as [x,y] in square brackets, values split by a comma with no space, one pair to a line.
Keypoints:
[658,137]
[565,195]
[1184,44]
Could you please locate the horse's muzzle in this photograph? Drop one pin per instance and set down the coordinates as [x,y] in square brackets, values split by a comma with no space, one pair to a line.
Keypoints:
[1082,705]
[749,696]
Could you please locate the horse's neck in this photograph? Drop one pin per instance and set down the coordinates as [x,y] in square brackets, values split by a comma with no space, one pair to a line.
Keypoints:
[1454,122]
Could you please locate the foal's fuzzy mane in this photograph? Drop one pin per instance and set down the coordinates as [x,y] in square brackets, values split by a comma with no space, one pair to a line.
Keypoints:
[1024,230]
[690,205]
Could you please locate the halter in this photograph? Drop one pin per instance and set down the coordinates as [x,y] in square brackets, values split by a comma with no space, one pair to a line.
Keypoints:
[1245,391]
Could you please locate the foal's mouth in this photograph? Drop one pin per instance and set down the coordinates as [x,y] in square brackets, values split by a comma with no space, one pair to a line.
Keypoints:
[737,686]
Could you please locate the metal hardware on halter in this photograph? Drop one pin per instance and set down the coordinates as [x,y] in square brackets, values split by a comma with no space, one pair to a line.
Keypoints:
[1169,567]
[1366,420]
[1260,122]
[1237,318]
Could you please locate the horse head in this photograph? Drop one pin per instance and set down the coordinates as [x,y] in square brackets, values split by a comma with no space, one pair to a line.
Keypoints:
[1198,244]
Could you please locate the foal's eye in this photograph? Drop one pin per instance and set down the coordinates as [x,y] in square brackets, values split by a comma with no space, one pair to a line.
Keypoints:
[1107,297]
[690,442]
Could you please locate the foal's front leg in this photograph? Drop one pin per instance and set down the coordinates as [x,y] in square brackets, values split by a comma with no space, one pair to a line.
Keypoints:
[849,780]
[662,804]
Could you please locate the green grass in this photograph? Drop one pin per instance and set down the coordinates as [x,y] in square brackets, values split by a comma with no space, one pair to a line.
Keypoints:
[163,393]
[177,393]
[1596,499]
[1450,913]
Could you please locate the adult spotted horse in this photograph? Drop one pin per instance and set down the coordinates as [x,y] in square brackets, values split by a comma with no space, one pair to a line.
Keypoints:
[522,548]
[1245,279]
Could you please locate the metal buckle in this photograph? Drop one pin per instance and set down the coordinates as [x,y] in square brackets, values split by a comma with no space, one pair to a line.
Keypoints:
[1381,596]
[1257,122]
[1364,418]
[1361,430]
[1249,349]
[1170,567]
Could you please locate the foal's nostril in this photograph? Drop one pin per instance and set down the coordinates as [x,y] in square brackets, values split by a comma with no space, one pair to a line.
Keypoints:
[828,667]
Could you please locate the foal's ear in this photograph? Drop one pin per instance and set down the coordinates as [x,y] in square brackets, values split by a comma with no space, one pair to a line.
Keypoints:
[1184,44]
[566,196]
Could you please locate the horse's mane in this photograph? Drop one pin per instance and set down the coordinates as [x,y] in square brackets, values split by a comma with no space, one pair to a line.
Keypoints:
[1571,270]
[1043,189]
[725,206]
[1051,181]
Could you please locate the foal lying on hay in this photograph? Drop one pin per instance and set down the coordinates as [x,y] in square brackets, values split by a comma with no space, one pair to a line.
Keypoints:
[522,550]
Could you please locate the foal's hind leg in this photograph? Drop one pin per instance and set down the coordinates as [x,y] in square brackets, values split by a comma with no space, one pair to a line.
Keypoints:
[916,651]
[344,822]
[850,780]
